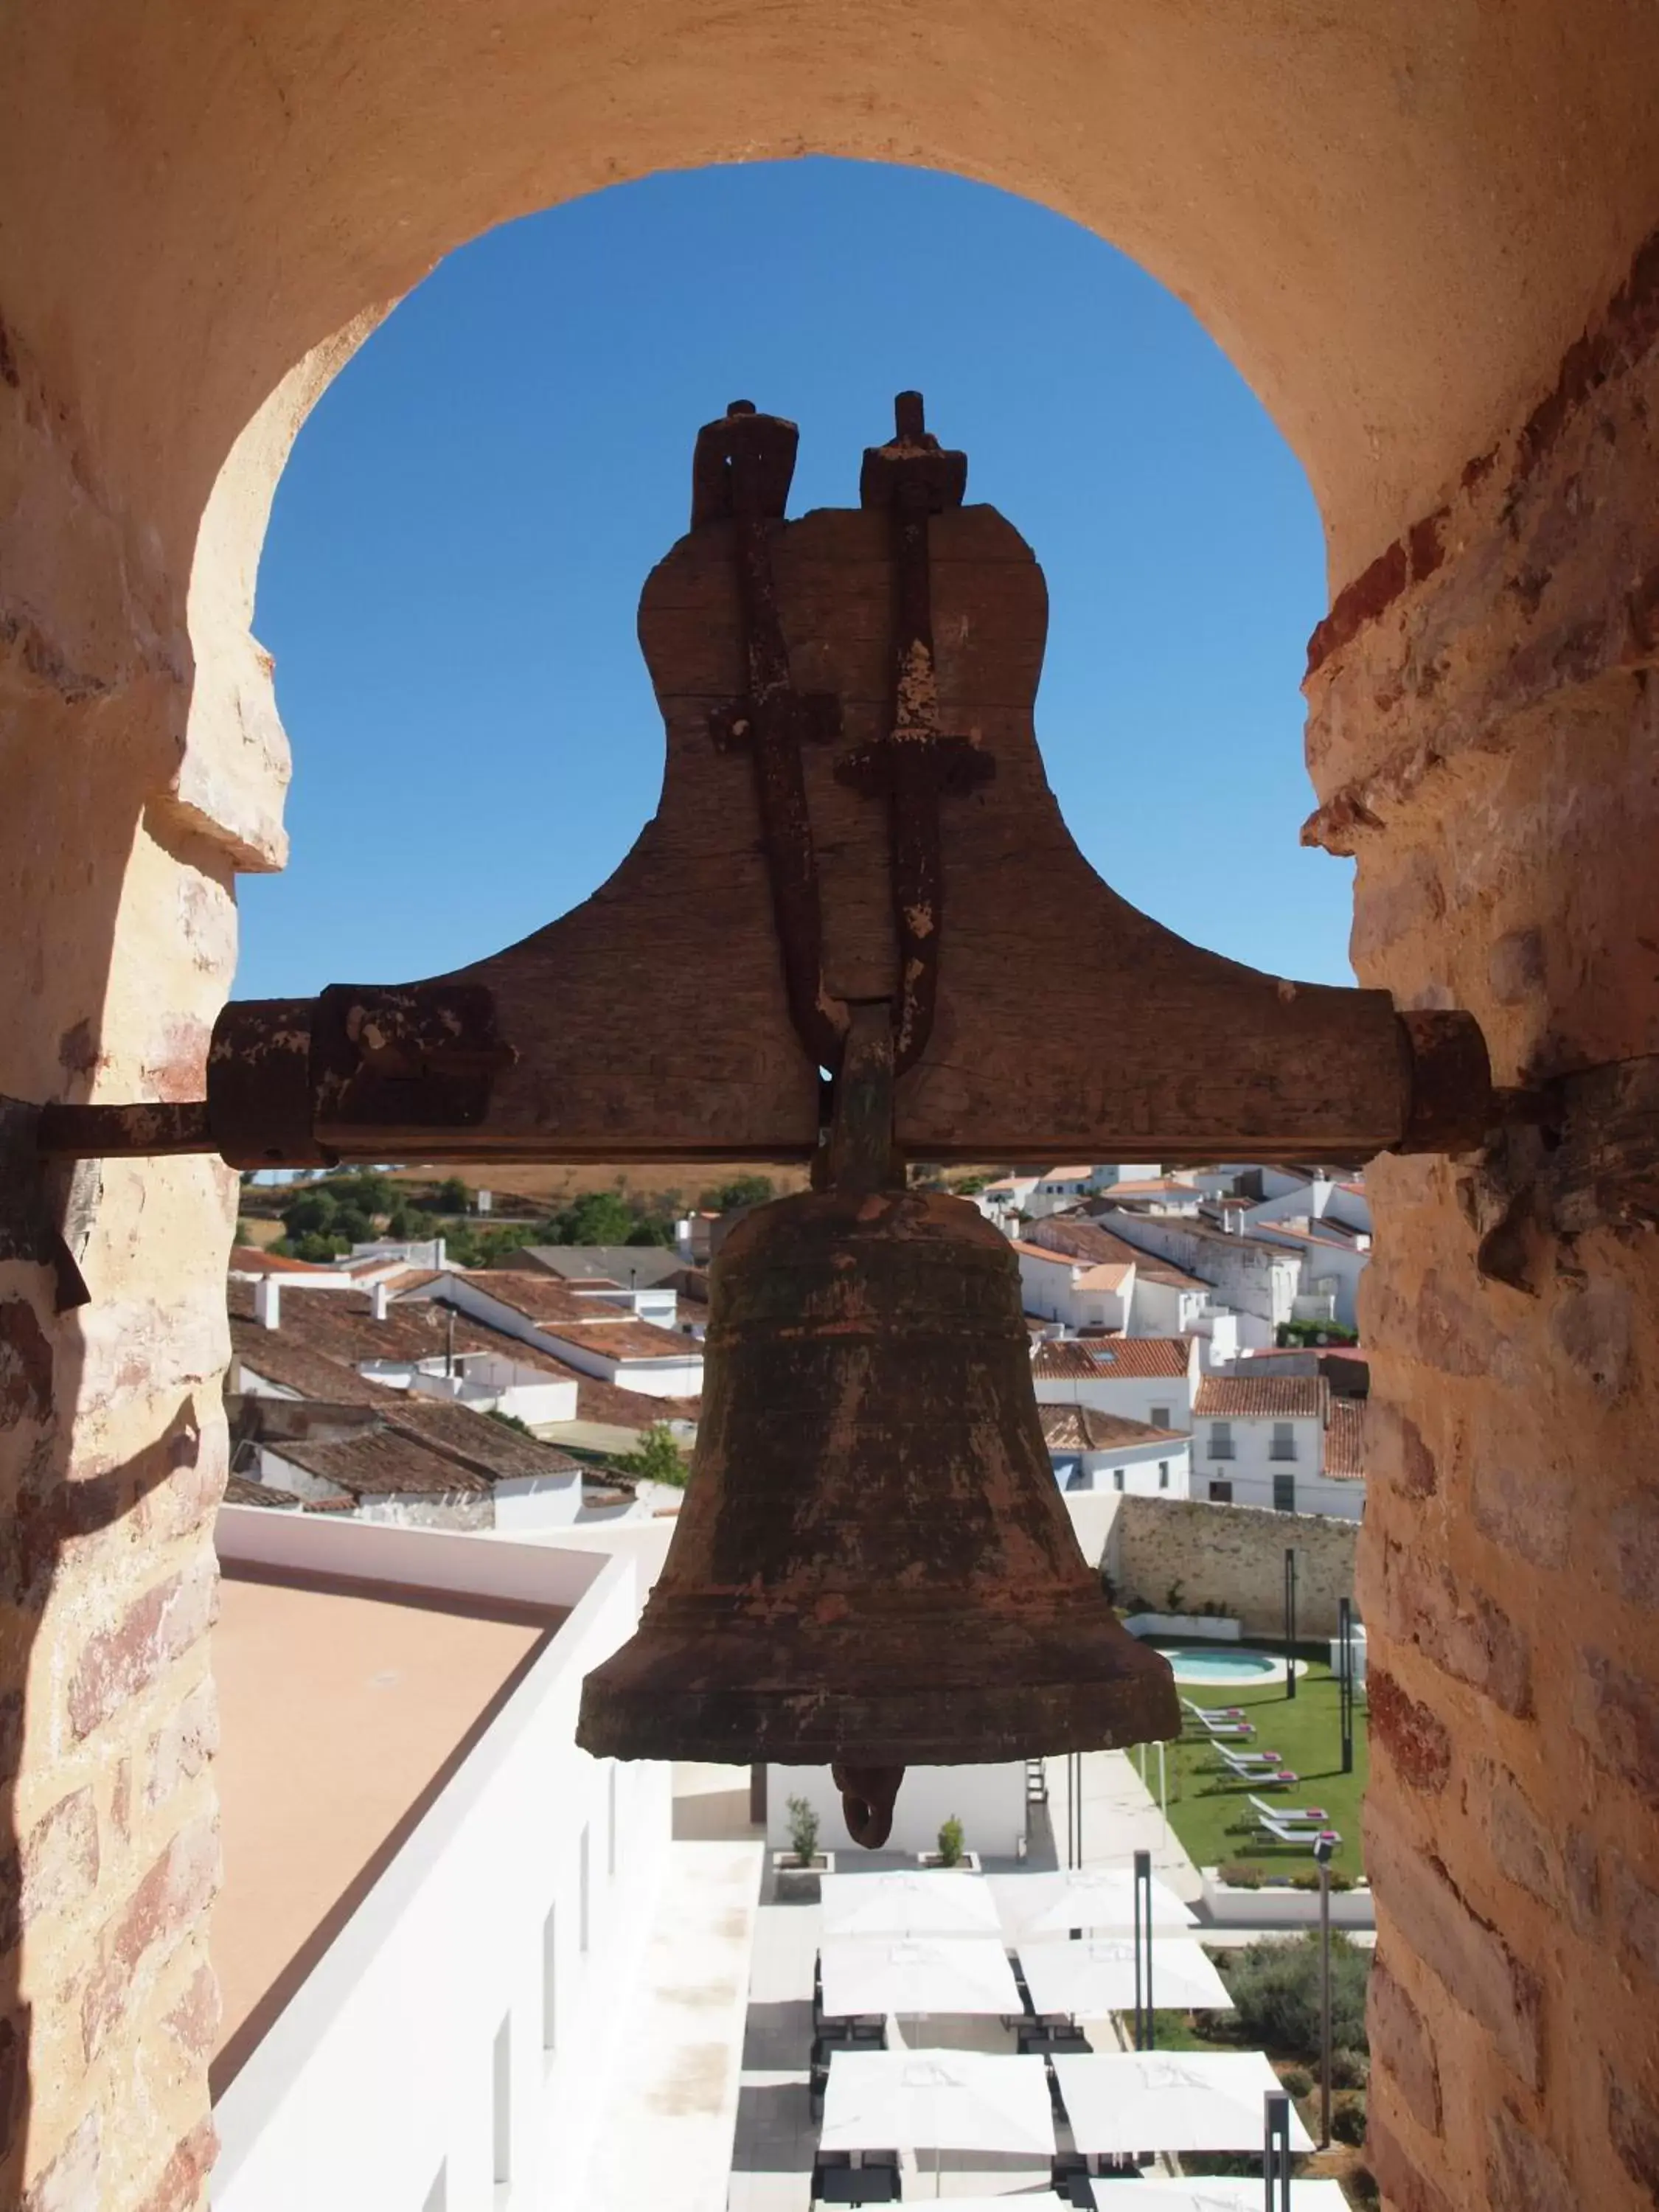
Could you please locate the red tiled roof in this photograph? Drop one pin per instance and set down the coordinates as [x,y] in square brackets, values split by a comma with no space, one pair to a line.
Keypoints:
[1086,1240]
[1262,1398]
[579,1318]
[1092,1357]
[1084,1428]
[254,1260]
[293,1364]
[1345,1440]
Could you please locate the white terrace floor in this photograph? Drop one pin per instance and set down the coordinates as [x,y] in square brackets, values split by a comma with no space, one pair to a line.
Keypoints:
[771,2162]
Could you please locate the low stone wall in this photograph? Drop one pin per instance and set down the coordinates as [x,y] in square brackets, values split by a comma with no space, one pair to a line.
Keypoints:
[1231,1556]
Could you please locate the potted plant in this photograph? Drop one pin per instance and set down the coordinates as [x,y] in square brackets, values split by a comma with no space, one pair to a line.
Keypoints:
[950,1851]
[796,1871]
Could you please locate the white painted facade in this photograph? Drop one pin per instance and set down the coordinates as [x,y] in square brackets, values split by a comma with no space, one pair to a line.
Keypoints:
[988,1800]
[676,1374]
[1163,1401]
[1275,1463]
[1149,1470]
[1074,1292]
[1258,1281]
[472,2004]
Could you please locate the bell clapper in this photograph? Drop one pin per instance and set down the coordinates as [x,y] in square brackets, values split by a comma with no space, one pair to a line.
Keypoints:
[868,1795]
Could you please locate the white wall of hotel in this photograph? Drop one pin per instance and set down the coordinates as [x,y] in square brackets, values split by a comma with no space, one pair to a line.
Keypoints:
[1162,1401]
[988,1800]
[523,1898]
[1272,1463]
[1149,1470]
[677,1375]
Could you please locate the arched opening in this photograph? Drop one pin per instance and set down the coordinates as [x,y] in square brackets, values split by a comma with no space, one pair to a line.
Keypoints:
[450,585]
[1399,232]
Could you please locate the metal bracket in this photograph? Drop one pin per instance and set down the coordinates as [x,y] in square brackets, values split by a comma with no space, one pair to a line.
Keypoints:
[41,1206]
[1574,1152]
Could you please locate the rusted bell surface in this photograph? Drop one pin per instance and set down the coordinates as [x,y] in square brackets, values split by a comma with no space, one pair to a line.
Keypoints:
[872,1565]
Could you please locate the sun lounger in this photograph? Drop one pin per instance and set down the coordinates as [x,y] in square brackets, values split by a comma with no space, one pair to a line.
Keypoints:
[1292,1816]
[1213,1712]
[1283,1831]
[1246,1762]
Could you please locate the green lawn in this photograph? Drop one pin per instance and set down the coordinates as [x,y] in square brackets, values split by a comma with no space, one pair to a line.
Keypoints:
[1209,1805]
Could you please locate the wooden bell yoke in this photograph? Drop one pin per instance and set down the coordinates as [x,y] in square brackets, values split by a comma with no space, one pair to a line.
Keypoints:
[854,810]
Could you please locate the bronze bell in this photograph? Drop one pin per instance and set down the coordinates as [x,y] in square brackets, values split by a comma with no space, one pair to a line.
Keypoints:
[872,1567]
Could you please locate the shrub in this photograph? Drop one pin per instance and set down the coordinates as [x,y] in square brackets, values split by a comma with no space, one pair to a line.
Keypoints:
[1240,1874]
[949,1841]
[1362,2187]
[1350,2069]
[658,1458]
[803,1830]
[1348,2121]
[1275,1989]
[1296,2081]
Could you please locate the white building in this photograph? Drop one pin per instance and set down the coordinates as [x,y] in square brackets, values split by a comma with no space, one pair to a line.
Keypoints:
[1150,1379]
[1150,1295]
[1257,1281]
[1032,1194]
[441,1923]
[1092,1450]
[1080,1294]
[1279,1441]
[586,1332]
[1334,1257]
[286,1321]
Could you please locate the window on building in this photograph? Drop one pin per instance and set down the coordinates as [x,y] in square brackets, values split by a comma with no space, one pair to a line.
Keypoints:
[1160,1417]
[1164,1474]
[1284,1440]
[501,2103]
[1283,1493]
[550,1979]
[1117,1478]
[1221,1440]
[582,1912]
[1221,1493]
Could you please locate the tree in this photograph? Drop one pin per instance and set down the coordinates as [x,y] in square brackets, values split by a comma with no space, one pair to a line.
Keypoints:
[1275,1988]
[452,1196]
[742,1190]
[599,1217]
[312,1213]
[658,1458]
[403,1223]
[653,1230]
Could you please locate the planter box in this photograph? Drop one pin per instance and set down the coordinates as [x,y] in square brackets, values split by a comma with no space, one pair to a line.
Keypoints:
[1276,1905]
[795,1884]
[968,1863]
[1187,1627]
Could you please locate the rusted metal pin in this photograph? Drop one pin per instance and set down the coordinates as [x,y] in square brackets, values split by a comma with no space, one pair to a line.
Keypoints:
[868,1795]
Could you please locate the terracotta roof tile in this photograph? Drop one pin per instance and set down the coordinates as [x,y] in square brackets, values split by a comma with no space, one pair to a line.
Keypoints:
[1262,1398]
[1086,1428]
[1092,1357]
[1345,1440]
[1087,1241]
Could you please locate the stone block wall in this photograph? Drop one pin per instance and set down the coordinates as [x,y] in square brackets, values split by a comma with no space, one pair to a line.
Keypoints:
[117,951]
[1485,732]
[1232,1556]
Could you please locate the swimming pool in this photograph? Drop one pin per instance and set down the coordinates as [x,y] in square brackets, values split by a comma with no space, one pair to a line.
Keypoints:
[1235,1668]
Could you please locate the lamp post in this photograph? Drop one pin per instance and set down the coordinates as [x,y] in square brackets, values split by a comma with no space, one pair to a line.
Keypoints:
[1276,2151]
[1344,1678]
[1143,1889]
[1290,1622]
[1323,1847]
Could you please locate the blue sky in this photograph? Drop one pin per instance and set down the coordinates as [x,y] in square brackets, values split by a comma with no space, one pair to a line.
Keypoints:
[456,548]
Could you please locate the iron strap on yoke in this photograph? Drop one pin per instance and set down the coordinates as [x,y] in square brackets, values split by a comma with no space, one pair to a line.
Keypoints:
[741,470]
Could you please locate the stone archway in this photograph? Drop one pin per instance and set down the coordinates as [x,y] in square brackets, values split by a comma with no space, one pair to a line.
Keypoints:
[1411,233]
